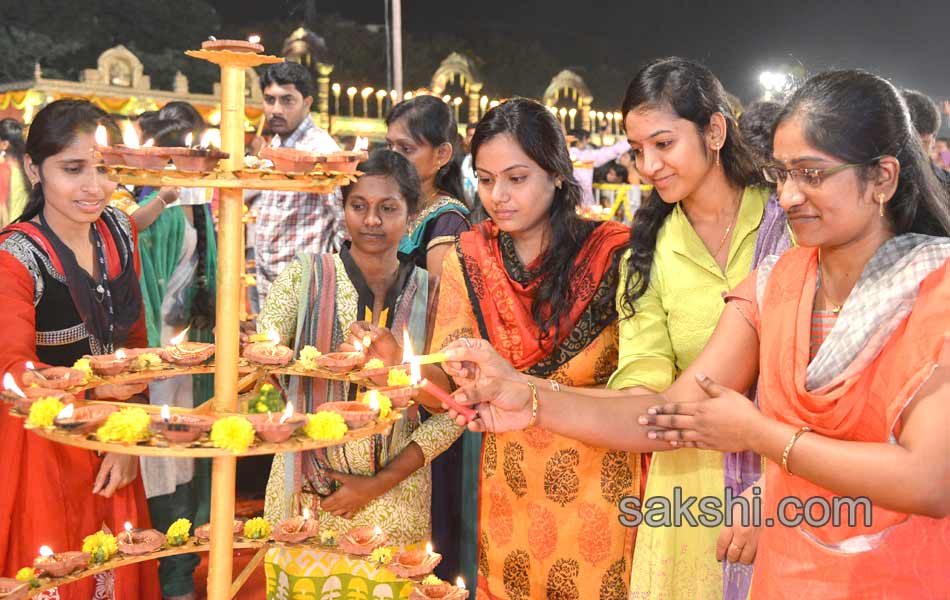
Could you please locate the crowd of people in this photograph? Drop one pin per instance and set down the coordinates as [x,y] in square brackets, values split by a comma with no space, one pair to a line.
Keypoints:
[771,327]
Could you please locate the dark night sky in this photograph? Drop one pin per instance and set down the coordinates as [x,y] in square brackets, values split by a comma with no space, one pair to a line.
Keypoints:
[908,42]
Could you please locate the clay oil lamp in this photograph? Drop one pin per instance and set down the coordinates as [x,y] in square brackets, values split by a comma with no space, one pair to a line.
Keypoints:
[344,161]
[23,401]
[399,396]
[83,418]
[110,155]
[355,414]
[14,589]
[203,533]
[290,160]
[250,46]
[277,429]
[186,354]
[415,563]
[271,352]
[146,156]
[297,529]
[180,428]
[197,159]
[59,564]
[362,540]
[107,365]
[135,542]
[55,378]
[342,362]
[442,590]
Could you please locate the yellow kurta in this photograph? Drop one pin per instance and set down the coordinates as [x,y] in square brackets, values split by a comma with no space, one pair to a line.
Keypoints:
[674,319]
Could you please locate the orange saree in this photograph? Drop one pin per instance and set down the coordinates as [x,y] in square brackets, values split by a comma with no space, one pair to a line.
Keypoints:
[898,555]
[548,524]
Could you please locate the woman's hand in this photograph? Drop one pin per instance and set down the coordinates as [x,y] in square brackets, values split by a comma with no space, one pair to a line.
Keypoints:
[382,343]
[354,493]
[118,391]
[502,404]
[115,472]
[725,421]
[739,542]
[169,194]
[471,359]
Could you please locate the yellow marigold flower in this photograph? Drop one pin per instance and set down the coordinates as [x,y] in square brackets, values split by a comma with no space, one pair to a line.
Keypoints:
[328,537]
[44,411]
[256,529]
[85,366]
[325,425]
[101,546]
[267,387]
[261,407]
[147,360]
[398,377]
[308,357]
[178,532]
[383,402]
[128,425]
[381,556]
[233,433]
[26,574]
[431,580]
[374,363]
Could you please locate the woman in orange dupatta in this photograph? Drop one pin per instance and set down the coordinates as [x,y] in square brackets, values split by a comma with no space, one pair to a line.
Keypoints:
[848,337]
[547,524]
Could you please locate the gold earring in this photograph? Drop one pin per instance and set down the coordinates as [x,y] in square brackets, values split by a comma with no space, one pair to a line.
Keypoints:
[717,155]
[880,199]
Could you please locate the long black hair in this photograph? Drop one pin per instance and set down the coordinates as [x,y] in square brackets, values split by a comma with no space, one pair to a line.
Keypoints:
[540,136]
[857,116]
[691,92]
[430,120]
[387,163]
[53,129]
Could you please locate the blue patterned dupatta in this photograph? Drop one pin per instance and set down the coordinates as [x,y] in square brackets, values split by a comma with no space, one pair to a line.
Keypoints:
[414,238]
[333,295]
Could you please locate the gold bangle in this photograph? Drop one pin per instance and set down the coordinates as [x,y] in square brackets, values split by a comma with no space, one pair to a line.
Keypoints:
[790,445]
[534,405]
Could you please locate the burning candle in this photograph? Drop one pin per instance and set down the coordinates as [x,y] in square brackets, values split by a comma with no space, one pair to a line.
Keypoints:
[436,391]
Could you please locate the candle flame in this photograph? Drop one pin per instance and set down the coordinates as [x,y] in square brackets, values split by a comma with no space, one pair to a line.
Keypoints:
[120,354]
[288,412]
[129,137]
[460,583]
[66,413]
[361,143]
[180,337]
[189,139]
[148,143]
[211,137]
[10,385]
[166,413]
[428,547]
[254,39]
[102,136]
[407,352]
[128,526]
[306,513]
[46,551]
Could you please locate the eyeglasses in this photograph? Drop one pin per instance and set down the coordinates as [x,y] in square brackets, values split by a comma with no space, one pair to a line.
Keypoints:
[809,177]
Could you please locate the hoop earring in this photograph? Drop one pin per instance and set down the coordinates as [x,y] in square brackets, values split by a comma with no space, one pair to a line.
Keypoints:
[880,199]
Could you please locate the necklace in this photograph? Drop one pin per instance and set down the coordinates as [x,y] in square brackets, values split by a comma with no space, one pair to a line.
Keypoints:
[835,308]
[725,235]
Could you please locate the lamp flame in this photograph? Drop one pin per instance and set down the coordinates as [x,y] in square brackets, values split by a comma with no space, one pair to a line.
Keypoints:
[66,413]
[288,412]
[407,352]
[166,413]
[358,346]
[306,513]
[460,583]
[189,139]
[148,143]
[428,547]
[102,136]
[120,354]
[254,39]
[128,527]
[377,530]
[129,137]
[273,337]
[361,143]
[46,551]
[180,337]
[29,365]
[372,398]
[10,385]
[211,137]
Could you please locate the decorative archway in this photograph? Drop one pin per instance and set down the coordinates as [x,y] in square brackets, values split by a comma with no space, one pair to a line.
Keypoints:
[570,87]
[461,69]
[118,67]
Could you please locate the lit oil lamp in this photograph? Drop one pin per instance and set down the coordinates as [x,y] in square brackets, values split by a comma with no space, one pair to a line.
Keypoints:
[271,352]
[355,414]
[186,354]
[290,160]
[277,430]
[180,428]
[83,418]
[249,46]
[134,542]
[200,158]
[59,564]
[109,154]
[297,529]
[441,591]
[108,365]
[144,156]
[415,563]
[341,362]
[362,540]
[56,378]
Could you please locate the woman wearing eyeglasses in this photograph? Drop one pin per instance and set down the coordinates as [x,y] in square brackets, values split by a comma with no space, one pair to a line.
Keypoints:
[847,336]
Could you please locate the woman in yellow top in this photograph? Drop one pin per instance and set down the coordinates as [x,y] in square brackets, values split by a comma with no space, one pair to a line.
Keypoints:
[694,238]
